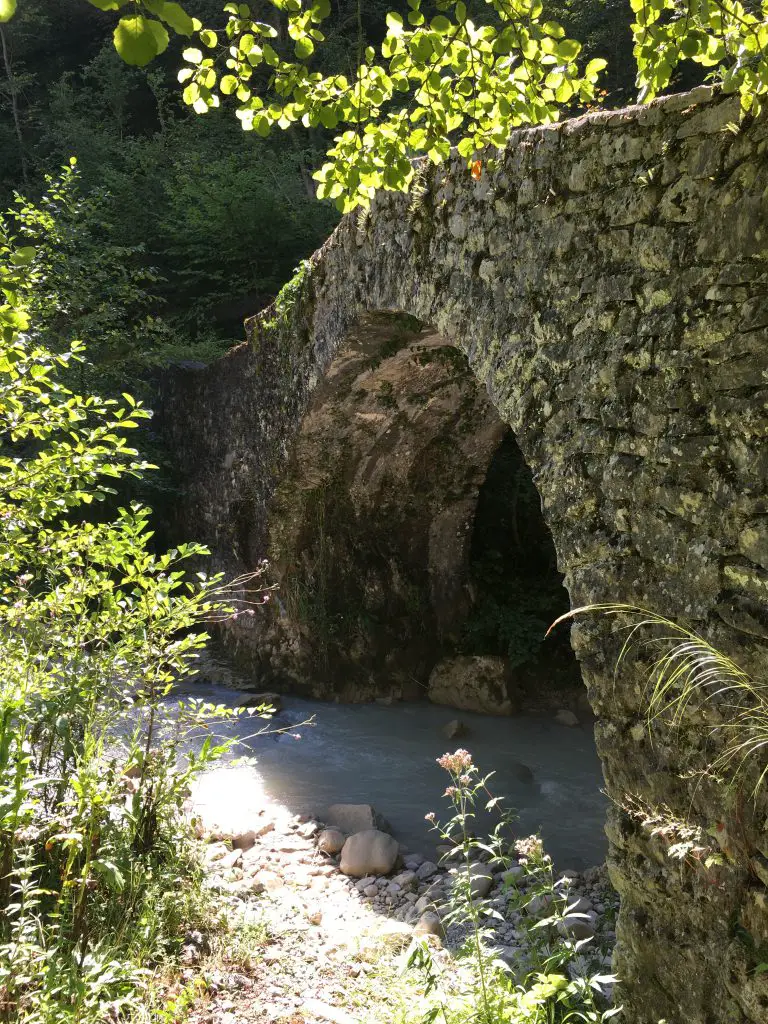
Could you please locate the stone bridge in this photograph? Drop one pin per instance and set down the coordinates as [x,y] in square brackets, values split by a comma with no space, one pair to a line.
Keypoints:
[605,283]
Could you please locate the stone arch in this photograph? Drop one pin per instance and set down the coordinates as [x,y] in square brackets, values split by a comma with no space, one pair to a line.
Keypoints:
[373,537]
[607,283]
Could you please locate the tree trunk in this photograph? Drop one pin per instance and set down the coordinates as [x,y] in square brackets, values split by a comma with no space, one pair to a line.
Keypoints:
[14,106]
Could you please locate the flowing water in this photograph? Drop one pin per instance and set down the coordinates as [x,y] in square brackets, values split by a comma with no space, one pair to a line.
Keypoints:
[385,756]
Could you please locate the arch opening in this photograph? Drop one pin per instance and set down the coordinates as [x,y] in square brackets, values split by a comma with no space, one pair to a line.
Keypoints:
[408,540]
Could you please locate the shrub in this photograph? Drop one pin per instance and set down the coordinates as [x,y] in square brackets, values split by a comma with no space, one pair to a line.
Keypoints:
[94,629]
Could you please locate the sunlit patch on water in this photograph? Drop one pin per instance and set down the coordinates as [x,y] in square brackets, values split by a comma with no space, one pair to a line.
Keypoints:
[385,756]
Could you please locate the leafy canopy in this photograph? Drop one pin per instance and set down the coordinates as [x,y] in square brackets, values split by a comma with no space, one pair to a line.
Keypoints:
[441,78]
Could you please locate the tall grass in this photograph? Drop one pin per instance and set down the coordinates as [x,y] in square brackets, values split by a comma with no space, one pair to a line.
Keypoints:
[687,673]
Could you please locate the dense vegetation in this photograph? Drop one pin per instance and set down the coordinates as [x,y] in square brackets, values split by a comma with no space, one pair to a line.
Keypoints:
[94,628]
[456,76]
[180,227]
[162,232]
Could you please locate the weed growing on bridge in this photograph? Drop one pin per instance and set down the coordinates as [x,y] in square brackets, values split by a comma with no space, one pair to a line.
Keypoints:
[278,312]
[686,675]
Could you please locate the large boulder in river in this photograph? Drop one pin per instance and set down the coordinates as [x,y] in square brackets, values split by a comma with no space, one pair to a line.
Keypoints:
[472,683]
[352,818]
[369,853]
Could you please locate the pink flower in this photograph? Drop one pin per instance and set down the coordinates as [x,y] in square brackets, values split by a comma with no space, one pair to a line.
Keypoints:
[457,762]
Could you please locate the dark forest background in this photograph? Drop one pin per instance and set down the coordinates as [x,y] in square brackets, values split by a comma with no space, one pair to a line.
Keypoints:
[180,225]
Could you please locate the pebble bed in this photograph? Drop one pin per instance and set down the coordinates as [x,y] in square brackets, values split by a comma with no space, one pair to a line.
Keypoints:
[327,929]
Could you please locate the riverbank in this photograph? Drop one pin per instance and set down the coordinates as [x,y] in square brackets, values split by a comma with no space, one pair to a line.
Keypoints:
[305,943]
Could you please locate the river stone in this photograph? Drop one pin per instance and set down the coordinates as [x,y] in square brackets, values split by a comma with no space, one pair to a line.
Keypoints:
[413,861]
[257,700]
[231,859]
[426,870]
[370,852]
[429,924]
[455,728]
[521,772]
[538,904]
[472,683]
[566,717]
[512,875]
[331,841]
[579,906]
[351,818]
[406,879]
[481,880]
[575,926]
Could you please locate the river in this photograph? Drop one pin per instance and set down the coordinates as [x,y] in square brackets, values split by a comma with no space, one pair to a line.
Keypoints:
[386,756]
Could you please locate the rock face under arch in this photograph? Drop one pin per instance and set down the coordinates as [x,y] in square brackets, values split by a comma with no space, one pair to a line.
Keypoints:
[608,283]
[370,527]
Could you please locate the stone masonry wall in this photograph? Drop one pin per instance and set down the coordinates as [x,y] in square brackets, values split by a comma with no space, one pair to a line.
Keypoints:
[607,282]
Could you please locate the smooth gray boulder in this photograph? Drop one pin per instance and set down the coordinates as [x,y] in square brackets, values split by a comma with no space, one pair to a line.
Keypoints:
[512,875]
[454,729]
[481,880]
[576,926]
[351,818]
[370,852]
[429,924]
[331,840]
[257,700]
[566,717]
[426,870]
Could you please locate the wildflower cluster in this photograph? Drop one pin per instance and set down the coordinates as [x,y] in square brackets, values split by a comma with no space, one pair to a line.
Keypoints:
[556,985]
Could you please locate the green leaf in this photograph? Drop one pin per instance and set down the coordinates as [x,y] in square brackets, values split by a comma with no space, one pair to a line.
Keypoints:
[304,48]
[111,874]
[174,15]
[320,9]
[328,117]
[7,9]
[553,29]
[568,50]
[24,256]
[689,46]
[228,84]
[394,24]
[261,125]
[137,41]
[161,36]
[103,5]
[595,66]
[208,38]
[440,24]
[192,55]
